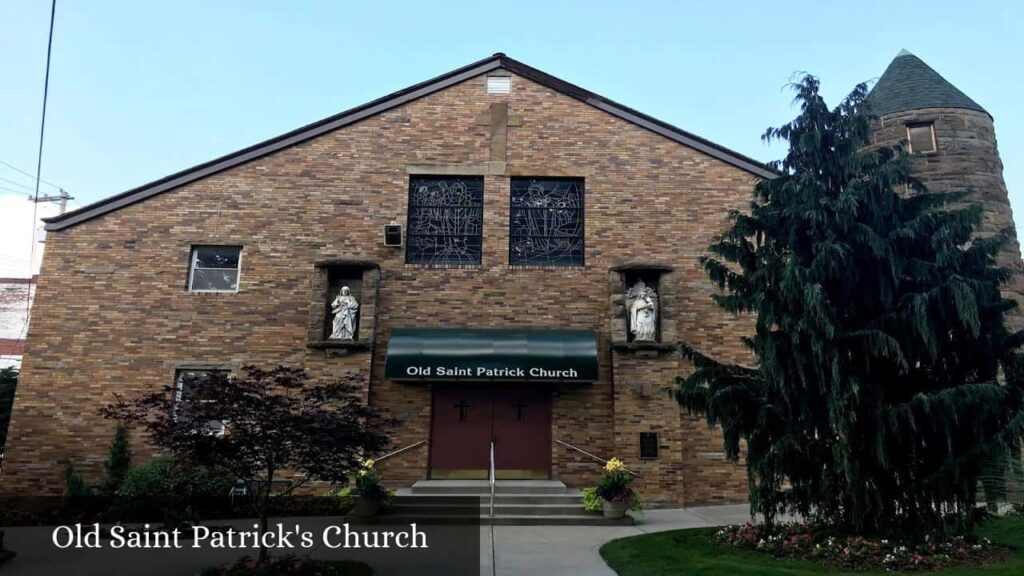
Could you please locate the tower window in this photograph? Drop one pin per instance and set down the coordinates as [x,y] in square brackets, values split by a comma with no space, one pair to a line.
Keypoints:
[922,138]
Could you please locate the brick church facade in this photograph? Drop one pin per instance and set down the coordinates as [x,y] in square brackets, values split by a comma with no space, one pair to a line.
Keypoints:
[531,212]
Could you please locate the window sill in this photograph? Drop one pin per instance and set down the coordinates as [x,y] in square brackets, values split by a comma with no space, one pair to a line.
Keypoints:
[640,346]
[339,345]
[445,266]
[546,267]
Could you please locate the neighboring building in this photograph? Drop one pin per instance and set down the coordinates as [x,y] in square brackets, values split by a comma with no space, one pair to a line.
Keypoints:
[15,301]
[547,267]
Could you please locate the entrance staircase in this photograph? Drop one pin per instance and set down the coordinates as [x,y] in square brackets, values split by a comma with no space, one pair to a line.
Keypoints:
[516,503]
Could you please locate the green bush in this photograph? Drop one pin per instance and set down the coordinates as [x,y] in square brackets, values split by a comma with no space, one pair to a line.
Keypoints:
[119,460]
[171,491]
[591,501]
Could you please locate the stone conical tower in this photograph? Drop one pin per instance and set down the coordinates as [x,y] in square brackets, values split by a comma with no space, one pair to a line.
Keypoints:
[956,143]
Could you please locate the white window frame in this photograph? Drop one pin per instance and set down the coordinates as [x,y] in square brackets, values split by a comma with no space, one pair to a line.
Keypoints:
[178,389]
[192,261]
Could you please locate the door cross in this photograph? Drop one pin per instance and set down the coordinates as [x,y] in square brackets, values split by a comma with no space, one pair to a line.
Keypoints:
[519,410]
[463,407]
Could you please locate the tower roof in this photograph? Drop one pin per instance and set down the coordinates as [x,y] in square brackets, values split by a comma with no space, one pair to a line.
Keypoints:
[910,84]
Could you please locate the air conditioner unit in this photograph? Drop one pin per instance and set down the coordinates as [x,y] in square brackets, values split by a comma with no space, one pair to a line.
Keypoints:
[392,234]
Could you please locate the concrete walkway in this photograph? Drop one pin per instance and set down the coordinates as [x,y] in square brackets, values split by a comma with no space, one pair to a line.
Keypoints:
[504,550]
[573,550]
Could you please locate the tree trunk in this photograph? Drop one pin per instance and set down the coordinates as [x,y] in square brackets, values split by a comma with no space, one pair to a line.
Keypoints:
[264,515]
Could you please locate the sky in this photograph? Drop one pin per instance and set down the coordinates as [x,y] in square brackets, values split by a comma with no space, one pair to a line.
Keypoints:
[139,90]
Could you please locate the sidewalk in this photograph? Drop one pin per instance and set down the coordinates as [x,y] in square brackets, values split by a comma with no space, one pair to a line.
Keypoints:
[573,551]
[504,550]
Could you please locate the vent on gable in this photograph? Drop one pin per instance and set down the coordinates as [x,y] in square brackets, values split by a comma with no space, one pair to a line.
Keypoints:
[499,84]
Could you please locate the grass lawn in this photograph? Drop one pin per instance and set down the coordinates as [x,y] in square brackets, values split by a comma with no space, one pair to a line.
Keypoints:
[688,553]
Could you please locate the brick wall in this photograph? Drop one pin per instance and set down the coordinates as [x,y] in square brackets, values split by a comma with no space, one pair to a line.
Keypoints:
[112,313]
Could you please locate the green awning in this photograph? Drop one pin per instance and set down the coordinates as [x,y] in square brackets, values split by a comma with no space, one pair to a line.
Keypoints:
[507,355]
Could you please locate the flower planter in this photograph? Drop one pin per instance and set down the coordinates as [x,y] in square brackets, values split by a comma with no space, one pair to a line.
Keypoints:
[365,507]
[614,509]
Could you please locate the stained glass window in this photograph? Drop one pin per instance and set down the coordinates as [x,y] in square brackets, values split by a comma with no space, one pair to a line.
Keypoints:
[445,220]
[546,222]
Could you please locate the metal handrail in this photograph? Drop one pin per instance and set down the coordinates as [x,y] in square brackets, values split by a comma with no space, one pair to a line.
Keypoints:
[588,454]
[400,450]
[490,475]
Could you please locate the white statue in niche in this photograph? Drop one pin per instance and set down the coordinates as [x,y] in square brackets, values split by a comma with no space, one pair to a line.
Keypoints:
[344,309]
[642,304]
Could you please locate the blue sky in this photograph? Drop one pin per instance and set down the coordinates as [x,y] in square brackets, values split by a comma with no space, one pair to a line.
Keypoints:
[142,89]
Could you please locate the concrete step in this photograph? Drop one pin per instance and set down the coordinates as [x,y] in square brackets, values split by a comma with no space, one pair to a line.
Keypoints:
[405,496]
[516,503]
[466,487]
[515,520]
[483,509]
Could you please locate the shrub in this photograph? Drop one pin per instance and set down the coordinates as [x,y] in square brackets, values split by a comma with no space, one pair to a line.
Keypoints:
[172,491]
[591,501]
[119,462]
[291,565]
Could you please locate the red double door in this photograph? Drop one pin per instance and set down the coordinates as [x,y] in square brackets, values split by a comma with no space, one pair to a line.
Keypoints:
[467,419]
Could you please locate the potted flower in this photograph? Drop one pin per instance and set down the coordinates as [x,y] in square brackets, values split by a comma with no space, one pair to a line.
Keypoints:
[614,491]
[369,491]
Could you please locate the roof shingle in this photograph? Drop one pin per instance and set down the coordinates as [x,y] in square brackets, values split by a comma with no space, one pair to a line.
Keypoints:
[910,84]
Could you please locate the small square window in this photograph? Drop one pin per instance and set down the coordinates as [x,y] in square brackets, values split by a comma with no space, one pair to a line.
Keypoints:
[214,268]
[648,444]
[185,382]
[922,138]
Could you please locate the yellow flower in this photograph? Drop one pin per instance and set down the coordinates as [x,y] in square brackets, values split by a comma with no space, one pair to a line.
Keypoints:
[368,463]
[614,465]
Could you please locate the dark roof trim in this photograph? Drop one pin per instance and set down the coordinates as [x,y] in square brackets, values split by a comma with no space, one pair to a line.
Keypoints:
[394,100]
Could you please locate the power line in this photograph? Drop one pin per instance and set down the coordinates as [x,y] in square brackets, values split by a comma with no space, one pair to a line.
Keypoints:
[32,176]
[39,165]
[27,195]
[9,181]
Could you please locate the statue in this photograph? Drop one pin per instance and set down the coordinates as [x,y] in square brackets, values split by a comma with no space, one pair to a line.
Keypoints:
[344,309]
[642,304]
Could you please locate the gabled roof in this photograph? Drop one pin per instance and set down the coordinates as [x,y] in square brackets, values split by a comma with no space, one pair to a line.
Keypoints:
[495,62]
[910,84]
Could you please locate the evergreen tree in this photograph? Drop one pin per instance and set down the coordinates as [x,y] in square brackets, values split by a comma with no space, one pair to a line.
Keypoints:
[119,460]
[8,382]
[886,385]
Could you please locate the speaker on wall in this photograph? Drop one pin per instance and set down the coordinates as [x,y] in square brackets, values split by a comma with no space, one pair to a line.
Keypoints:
[392,234]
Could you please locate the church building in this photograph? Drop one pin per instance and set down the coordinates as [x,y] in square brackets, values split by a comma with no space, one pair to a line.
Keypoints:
[509,259]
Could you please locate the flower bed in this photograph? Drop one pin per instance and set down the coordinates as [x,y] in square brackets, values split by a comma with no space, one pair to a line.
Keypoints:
[289,565]
[803,542]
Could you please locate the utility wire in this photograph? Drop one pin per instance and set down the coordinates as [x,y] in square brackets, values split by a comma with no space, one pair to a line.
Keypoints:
[9,181]
[16,169]
[39,169]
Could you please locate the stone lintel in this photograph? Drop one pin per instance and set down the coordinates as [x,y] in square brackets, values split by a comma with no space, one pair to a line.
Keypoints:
[641,265]
[347,263]
[493,168]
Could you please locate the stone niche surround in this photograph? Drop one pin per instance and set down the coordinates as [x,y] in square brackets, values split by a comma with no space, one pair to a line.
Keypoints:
[662,278]
[640,373]
[363,278]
